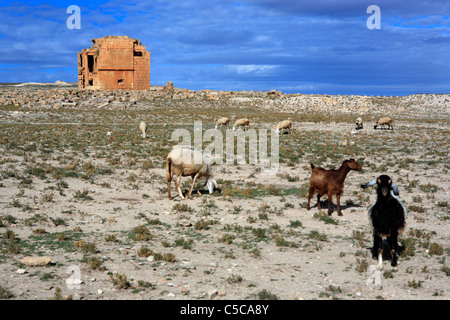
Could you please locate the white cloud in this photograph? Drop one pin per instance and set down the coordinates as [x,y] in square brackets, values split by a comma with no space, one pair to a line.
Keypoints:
[248,68]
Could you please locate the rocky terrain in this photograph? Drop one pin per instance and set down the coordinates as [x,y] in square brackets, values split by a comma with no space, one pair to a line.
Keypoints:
[84,212]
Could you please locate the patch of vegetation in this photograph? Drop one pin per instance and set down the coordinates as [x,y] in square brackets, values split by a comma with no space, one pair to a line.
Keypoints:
[266,295]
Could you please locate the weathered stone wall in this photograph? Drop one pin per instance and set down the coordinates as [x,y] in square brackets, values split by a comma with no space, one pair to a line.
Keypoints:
[114,62]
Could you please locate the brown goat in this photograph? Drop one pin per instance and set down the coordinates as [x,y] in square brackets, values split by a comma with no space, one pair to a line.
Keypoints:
[330,182]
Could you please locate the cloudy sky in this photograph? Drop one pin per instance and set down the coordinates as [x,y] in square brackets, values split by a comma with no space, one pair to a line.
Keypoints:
[308,46]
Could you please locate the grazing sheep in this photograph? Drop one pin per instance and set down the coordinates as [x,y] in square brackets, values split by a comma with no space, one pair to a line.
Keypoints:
[224,121]
[359,124]
[244,122]
[285,124]
[384,122]
[330,182]
[181,162]
[143,128]
[387,217]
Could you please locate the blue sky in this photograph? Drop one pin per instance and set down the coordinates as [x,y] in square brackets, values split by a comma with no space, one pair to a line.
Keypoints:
[319,46]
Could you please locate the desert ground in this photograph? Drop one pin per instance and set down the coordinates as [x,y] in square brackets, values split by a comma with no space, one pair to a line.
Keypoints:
[86,194]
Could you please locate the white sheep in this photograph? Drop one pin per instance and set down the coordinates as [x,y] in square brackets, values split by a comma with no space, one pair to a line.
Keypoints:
[285,124]
[359,123]
[143,128]
[182,162]
[383,122]
[244,122]
[224,121]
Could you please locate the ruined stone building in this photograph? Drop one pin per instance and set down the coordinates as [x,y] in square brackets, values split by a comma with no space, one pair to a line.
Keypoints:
[114,62]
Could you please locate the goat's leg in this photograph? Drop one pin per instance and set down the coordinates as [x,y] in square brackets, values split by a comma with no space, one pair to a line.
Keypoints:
[177,185]
[338,200]
[310,195]
[168,188]
[318,202]
[378,249]
[376,244]
[330,196]
[193,183]
[380,258]
[393,246]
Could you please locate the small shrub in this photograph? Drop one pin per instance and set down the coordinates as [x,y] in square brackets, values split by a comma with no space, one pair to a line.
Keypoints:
[9,235]
[234,279]
[182,208]
[119,280]
[226,238]
[5,293]
[361,265]
[359,236]
[147,164]
[61,236]
[415,284]
[58,222]
[409,247]
[266,295]
[204,224]
[83,195]
[58,294]
[259,233]
[169,257]
[446,270]
[89,247]
[145,252]
[95,263]
[418,209]
[185,244]
[322,216]
[110,238]
[428,188]
[295,224]
[436,248]
[141,233]
[314,234]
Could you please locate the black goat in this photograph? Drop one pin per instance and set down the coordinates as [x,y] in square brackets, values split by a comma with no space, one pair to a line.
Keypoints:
[387,217]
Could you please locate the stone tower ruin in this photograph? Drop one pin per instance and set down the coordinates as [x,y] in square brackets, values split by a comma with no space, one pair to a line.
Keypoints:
[114,62]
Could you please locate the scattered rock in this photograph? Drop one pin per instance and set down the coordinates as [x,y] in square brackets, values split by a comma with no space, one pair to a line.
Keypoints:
[76,296]
[73,282]
[185,223]
[185,290]
[35,261]
[187,265]
[212,294]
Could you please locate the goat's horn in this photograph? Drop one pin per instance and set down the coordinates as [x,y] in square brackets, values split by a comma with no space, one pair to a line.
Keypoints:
[370,183]
[395,189]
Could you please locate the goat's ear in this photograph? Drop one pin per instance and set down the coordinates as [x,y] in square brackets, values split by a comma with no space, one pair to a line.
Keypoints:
[379,181]
[390,181]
